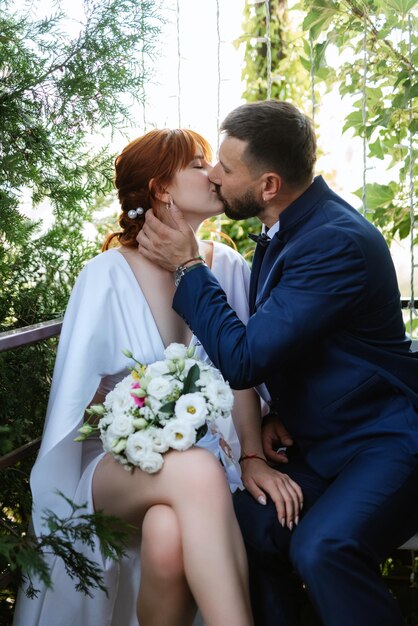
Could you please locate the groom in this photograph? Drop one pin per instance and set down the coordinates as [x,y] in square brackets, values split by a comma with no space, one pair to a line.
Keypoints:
[326,336]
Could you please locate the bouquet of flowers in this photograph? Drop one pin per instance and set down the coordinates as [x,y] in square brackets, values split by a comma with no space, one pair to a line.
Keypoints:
[165,405]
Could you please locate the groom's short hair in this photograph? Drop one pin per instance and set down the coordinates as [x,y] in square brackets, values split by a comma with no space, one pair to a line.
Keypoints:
[279,138]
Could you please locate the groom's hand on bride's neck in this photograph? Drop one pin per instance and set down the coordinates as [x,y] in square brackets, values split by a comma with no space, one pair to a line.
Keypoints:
[168,242]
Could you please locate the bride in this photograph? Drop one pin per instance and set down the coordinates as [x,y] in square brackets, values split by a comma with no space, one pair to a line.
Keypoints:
[188,547]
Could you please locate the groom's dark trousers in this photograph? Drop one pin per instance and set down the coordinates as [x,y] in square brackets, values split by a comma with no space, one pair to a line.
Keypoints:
[347,528]
[327,337]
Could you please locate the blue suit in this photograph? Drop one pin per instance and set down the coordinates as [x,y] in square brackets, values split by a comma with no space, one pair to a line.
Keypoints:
[326,336]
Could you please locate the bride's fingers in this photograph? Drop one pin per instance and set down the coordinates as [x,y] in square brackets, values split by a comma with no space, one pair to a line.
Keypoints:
[257,493]
[293,505]
[288,499]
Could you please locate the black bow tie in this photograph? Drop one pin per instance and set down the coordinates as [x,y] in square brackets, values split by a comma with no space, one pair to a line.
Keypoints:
[262,239]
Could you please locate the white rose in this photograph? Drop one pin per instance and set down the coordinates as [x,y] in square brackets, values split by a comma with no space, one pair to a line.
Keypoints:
[122,426]
[159,368]
[105,421]
[220,395]
[175,351]
[179,434]
[191,407]
[150,462]
[137,443]
[111,439]
[160,387]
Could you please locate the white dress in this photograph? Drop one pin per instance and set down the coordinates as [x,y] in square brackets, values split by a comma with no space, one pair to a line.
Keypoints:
[106,313]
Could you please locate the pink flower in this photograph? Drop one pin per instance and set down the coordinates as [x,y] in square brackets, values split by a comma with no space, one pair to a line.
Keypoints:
[138,401]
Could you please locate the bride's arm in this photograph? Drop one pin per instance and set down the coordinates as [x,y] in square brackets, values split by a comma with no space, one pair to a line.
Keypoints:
[260,479]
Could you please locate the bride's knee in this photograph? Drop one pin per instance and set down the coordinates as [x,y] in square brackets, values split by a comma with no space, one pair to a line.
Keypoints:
[161,547]
[199,471]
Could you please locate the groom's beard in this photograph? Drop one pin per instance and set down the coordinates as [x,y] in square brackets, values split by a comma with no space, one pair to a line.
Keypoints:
[241,208]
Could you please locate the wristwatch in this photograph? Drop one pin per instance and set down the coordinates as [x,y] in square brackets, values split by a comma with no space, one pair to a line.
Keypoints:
[181,270]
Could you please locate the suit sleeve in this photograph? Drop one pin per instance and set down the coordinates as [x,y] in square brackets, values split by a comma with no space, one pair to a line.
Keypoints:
[318,287]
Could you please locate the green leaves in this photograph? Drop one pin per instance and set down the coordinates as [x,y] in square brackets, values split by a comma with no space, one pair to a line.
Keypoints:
[377,196]
[193,375]
[382,84]
[401,6]
[320,17]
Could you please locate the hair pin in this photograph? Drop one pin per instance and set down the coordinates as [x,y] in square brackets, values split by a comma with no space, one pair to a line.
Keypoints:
[134,213]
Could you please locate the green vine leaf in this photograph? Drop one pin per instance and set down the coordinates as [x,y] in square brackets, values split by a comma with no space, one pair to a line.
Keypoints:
[377,196]
[402,6]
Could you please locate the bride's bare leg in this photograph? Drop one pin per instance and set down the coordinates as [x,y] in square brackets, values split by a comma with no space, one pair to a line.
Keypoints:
[193,484]
[162,572]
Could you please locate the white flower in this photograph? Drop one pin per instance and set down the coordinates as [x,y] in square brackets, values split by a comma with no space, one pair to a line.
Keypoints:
[154,405]
[193,408]
[160,387]
[206,377]
[150,462]
[179,434]
[105,421]
[159,368]
[136,444]
[220,395]
[139,436]
[147,413]
[175,351]
[122,426]
[119,399]
[158,439]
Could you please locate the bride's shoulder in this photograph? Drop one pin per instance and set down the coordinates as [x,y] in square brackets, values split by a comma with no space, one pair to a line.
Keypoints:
[101,267]
[103,261]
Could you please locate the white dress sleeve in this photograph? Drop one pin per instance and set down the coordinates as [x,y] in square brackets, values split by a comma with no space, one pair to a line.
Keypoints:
[106,313]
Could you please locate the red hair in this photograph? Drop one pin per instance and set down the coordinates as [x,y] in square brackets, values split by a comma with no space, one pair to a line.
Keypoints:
[155,156]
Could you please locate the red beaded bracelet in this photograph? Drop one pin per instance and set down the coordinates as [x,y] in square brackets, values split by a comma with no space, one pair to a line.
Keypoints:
[244,457]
